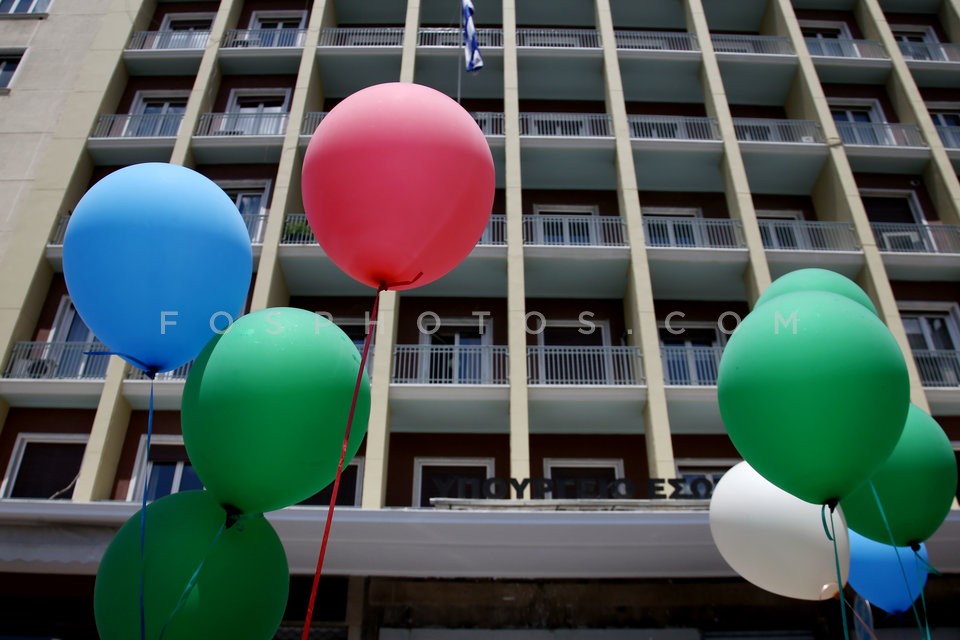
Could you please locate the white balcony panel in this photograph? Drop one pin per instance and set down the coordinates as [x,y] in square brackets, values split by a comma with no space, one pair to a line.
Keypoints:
[882,147]
[849,61]
[239,137]
[756,70]
[594,409]
[350,59]
[262,51]
[695,258]
[798,244]
[130,138]
[54,374]
[933,64]
[690,374]
[781,156]
[676,153]
[919,252]
[160,53]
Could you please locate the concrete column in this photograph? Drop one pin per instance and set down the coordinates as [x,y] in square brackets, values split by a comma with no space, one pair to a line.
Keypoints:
[377,453]
[411,31]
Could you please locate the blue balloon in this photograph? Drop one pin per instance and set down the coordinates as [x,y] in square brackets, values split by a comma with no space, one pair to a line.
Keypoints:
[876,573]
[157,258]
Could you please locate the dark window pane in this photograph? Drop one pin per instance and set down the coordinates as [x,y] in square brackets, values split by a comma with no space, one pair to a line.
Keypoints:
[47,468]
[160,482]
[346,494]
[881,209]
[451,482]
[8,65]
[189,480]
[581,482]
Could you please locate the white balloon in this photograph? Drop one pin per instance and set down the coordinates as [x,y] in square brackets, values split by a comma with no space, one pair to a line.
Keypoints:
[774,539]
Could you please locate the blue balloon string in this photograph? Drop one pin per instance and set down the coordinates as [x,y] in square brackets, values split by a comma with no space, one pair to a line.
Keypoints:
[836,561]
[923,598]
[143,514]
[903,570]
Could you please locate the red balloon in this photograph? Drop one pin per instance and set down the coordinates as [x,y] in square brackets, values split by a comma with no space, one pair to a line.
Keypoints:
[398,183]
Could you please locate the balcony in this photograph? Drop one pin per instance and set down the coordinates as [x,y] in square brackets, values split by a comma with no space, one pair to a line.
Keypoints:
[932,64]
[459,388]
[794,244]
[440,55]
[919,252]
[676,153]
[690,373]
[130,138]
[452,37]
[695,258]
[573,231]
[940,374]
[239,137]
[167,389]
[165,52]
[756,69]
[311,120]
[659,66]
[567,151]
[558,38]
[560,64]
[884,147]
[841,60]
[752,45]
[569,383]
[309,272]
[262,51]
[781,156]
[950,136]
[351,58]
[74,377]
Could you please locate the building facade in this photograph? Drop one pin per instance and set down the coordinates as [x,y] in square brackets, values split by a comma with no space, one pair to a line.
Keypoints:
[544,431]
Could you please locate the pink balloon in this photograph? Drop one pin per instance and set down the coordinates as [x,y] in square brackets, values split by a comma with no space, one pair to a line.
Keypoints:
[398,183]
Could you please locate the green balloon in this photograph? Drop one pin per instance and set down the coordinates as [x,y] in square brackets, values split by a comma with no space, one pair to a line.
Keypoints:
[813,392]
[265,407]
[240,591]
[817,280]
[916,486]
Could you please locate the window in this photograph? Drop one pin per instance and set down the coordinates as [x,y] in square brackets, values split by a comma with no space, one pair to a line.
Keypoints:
[167,471]
[672,226]
[68,346]
[44,465]
[255,112]
[780,230]
[449,478]
[278,29]
[917,42]
[565,225]
[858,122]
[580,478]
[23,7]
[452,351]
[898,220]
[701,475]
[828,38]
[571,352]
[251,198]
[184,31]
[8,66]
[946,117]
[690,352]
[349,492]
[934,337]
[157,114]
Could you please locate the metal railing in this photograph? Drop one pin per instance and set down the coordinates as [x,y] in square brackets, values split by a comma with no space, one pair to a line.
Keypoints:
[144,125]
[845,48]
[690,365]
[690,232]
[495,233]
[453,37]
[939,368]
[656,40]
[650,127]
[260,38]
[256,226]
[569,125]
[930,51]
[950,136]
[550,365]
[145,40]
[559,38]
[24,7]
[763,45]
[803,235]
[769,130]
[362,37]
[880,134]
[491,123]
[574,231]
[242,124]
[56,238]
[297,231]
[311,120]
[176,375]
[450,364]
[916,238]
[57,361]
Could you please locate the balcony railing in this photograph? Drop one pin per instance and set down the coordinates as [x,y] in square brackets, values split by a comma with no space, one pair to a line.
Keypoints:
[690,365]
[23,7]
[495,233]
[561,365]
[656,41]
[649,127]
[311,120]
[930,51]
[574,231]
[689,232]
[950,136]
[56,238]
[802,235]
[450,364]
[845,48]
[916,238]
[144,40]
[144,125]
[176,375]
[254,38]
[491,123]
[256,225]
[362,37]
[57,361]
[880,134]
[453,37]
[938,368]
[762,45]
[559,38]
[767,130]
[296,231]
[569,125]
[242,124]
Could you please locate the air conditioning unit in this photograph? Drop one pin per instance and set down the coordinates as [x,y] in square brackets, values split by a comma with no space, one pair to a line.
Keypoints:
[33,368]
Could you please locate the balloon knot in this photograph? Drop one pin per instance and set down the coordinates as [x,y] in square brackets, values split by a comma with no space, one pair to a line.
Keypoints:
[233,514]
[915,546]
[832,504]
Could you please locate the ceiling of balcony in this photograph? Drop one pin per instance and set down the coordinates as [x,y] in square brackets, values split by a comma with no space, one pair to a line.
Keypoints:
[739,16]
[572,13]
[447,13]
[385,12]
[570,409]
[666,14]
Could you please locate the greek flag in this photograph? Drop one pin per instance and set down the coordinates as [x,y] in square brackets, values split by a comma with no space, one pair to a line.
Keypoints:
[471,50]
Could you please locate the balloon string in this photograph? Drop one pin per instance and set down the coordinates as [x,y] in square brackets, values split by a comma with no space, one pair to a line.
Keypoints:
[923,598]
[152,374]
[863,623]
[192,582]
[893,543]
[343,455]
[836,561]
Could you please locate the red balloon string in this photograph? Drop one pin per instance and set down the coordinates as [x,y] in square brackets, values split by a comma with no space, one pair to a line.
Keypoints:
[343,455]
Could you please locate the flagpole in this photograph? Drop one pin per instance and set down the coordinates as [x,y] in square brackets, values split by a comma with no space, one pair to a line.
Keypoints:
[459,63]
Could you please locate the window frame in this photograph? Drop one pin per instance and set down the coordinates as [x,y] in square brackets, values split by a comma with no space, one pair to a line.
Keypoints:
[268,14]
[20,444]
[187,15]
[419,462]
[142,465]
[695,465]
[921,308]
[21,55]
